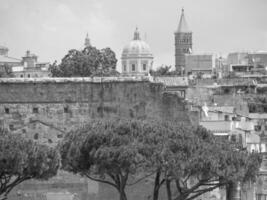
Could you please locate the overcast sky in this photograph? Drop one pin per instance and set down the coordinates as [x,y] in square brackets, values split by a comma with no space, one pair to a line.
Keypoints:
[49,28]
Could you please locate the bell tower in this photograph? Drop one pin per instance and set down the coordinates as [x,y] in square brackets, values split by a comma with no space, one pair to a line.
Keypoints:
[183,44]
[87,41]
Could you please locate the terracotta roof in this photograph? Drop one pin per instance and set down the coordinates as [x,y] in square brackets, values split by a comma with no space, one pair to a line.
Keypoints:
[171,81]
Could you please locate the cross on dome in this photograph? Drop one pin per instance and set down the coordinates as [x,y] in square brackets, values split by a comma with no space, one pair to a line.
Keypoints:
[136,34]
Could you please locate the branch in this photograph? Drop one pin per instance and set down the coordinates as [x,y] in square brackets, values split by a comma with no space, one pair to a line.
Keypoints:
[200,192]
[101,180]
[130,184]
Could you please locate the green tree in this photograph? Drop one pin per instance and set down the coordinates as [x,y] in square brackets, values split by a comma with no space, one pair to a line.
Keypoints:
[88,62]
[106,151]
[21,160]
[191,161]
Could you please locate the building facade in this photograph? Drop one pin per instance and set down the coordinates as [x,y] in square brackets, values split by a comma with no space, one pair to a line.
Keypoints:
[136,58]
[200,64]
[7,60]
[183,44]
[31,68]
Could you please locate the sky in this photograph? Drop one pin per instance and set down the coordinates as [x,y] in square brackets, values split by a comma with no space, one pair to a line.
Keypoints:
[49,28]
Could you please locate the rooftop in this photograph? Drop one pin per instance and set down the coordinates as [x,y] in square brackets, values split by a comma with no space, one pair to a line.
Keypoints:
[8,59]
[257,115]
[171,81]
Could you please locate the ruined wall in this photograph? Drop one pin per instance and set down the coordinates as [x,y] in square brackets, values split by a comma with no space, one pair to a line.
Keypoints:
[39,109]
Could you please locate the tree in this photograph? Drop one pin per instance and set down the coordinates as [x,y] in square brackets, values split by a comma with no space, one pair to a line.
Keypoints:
[189,160]
[21,160]
[194,162]
[88,62]
[6,71]
[106,151]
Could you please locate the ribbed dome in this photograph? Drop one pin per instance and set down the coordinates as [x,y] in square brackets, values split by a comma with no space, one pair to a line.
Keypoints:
[137,48]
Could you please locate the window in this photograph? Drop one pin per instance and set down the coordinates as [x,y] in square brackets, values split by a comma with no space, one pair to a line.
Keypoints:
[50,141]
[226,118]
[29,75]
[124,68]
[144,67]
[21,76]
[133,67]
[36,136]
[35,110]
[7,110]
[66,109]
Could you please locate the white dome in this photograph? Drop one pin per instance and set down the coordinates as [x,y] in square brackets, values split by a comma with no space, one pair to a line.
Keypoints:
[137,48]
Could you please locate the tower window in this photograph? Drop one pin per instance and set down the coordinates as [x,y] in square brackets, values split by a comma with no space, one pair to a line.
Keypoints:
[35,110]
[144,67]
[133,67]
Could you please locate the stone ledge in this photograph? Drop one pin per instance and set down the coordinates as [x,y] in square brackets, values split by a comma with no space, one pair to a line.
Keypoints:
[75,79]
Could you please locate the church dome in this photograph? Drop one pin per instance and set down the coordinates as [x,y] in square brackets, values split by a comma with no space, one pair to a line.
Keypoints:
[136,48]
[136,58]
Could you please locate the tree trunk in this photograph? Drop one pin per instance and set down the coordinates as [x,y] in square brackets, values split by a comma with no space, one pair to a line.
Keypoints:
[233,191]
[123,195]
[156,186]
[168,188]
